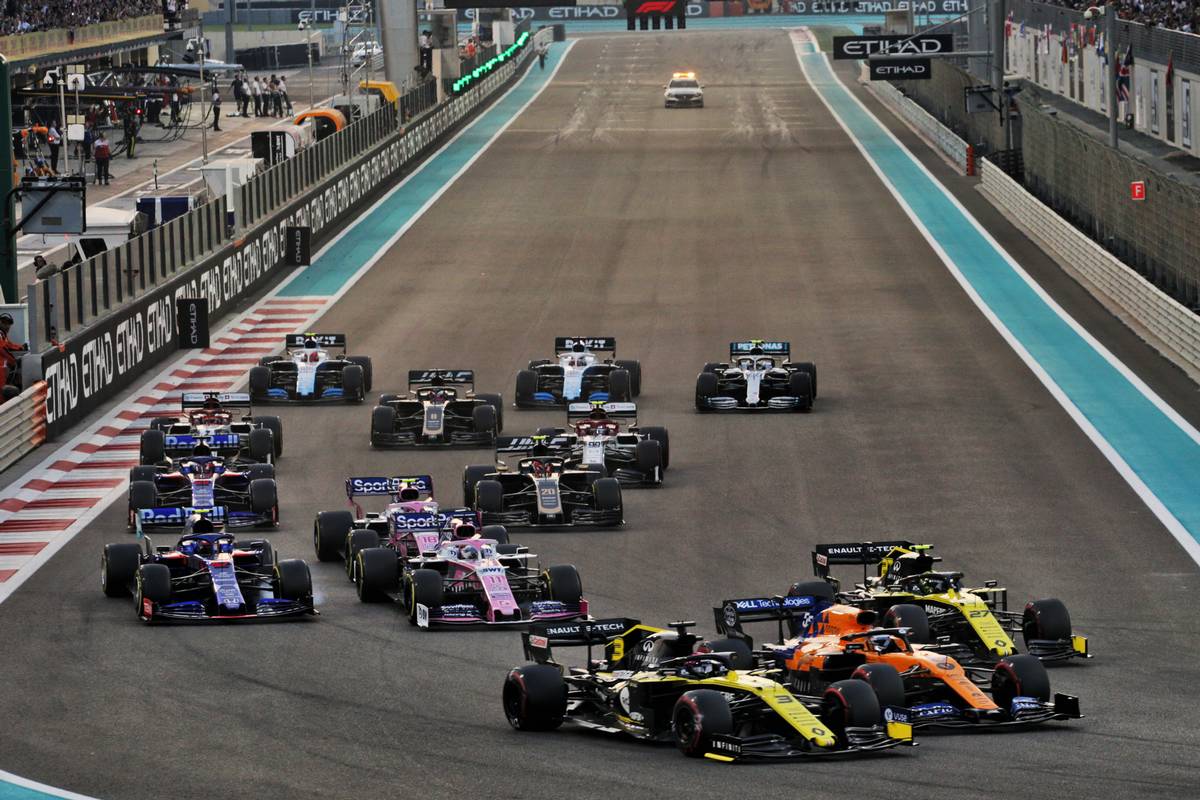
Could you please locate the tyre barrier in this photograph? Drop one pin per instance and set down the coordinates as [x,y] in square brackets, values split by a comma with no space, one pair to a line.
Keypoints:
[22,424]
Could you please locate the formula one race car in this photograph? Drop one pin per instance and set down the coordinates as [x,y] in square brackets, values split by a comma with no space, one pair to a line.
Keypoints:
[660,686]
[937,607]
[542,491]
[207,577]
[309,373]
[467,580]
[758,377]
[831,641]
[228,495]
[636,457]
[434,413]
[208,418]
[578,373]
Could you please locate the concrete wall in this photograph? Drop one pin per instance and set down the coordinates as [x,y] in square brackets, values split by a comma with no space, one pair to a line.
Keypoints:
[943,97]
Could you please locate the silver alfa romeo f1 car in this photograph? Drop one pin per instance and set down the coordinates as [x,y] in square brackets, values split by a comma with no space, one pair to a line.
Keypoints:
[636,456]
[308,372]
[661,685]
[579,371]
[210,418]
[207,576]
[441,409]
[759,376]
[227,495]
[469,580]
[542,491]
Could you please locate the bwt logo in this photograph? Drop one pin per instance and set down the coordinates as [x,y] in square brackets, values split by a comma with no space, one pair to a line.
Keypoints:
[655,7]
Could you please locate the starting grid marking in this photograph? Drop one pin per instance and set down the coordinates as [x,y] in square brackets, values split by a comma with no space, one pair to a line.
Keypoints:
[40,514]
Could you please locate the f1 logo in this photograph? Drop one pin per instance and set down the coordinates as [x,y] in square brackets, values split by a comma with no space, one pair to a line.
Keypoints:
[655,7]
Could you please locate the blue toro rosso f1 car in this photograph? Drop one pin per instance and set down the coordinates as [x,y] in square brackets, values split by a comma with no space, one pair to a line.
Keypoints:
[229,496]
[207,576]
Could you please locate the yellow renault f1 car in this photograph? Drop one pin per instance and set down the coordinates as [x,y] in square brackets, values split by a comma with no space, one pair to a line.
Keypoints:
[936,607]
[664,685]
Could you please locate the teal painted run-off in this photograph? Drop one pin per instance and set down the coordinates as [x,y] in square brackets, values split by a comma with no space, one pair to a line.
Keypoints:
[1160,452]
[11,791]
[327,274]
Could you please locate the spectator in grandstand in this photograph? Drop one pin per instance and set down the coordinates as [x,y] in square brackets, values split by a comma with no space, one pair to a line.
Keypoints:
[45,16]
[1183,15]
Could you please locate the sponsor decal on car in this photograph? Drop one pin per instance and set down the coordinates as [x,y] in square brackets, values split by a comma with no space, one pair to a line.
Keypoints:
[539,641]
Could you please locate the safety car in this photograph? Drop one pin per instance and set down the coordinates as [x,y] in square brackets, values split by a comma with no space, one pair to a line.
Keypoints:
[684,90]
[759,376]
[661,685]
[310,371]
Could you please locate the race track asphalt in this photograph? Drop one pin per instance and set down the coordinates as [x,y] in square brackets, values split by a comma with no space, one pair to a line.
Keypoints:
[600,213]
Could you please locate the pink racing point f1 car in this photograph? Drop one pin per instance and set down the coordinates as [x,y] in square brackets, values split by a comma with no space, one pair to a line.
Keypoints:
[471,581]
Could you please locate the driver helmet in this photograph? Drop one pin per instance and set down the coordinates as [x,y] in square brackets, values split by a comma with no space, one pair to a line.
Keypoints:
[703,668]
[225,546]
[468,553]
[314,356]
[745,363]
[882,642]
[910,564]
[202,524]
[188,547]
[539,468]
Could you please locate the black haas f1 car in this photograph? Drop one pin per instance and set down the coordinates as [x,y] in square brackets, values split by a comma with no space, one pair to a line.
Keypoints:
[758,377]
[308,372]
[667,686]
[209,418]
[578,372]
[466,580]
[830,641]
[937,607]
[442,408]
[207,576]
[637,456]
[542,491]
[230,496]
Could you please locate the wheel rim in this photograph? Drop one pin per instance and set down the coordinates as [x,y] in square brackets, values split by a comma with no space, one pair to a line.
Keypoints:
[687,731]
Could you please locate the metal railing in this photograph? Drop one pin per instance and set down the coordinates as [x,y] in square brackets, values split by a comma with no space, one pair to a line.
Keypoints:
[22,424]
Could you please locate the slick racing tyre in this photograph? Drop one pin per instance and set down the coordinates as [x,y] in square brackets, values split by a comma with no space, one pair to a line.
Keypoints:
[153,584]
[424,589]
[365,363]
[885,681]
[634,368]
[1019,676]
[329,533]
[811,369]
[606,494]
[292,579]
[496,402]
[353,384]
[489,497]
[357,540]
[1045,619]
[260,382]
[711,366]
[385,399]
[913,617]
[699,715]
[663,438]
[535,698]
[849,704]
[383,423]
[275,426]
[142,494]
[799,385]
[527,384]
[706,388]
[378,573]
[260,445]
[259,471]
[118,568]
[143,473]
[153,449]
[264,497]
[619,386]
[498,533]
[649,458]
[472,475]
[563,583]
[483,419]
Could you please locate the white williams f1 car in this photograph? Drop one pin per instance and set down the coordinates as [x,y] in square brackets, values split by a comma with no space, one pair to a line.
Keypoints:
[579,371]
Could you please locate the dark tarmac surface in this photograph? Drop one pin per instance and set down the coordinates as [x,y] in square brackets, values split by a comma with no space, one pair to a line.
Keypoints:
[600,213]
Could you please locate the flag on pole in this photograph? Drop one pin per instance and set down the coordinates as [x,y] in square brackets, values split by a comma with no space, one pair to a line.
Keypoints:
[1065,56]
[1125,75]
[1170,68]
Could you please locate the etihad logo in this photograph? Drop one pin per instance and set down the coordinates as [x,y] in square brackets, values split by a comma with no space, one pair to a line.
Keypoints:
[655,7]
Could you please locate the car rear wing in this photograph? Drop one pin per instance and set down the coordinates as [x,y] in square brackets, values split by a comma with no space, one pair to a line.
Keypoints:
[441,377]
[378,487]
[295,341]
[759,347]
[731,615]
[225,399]
[187,442]
[867,554]
[601,410]
[530,444]
[543,636]
[177,516]
[593,344]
